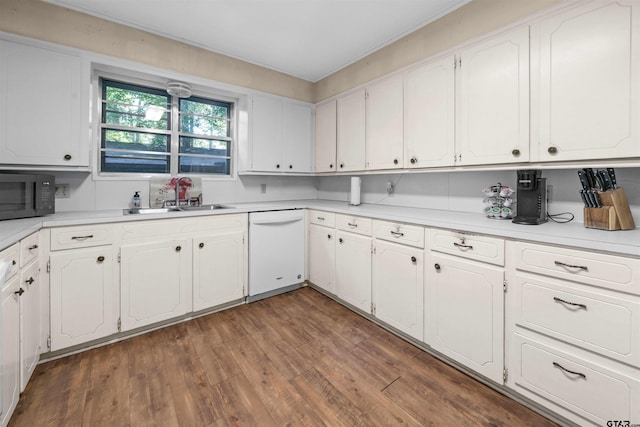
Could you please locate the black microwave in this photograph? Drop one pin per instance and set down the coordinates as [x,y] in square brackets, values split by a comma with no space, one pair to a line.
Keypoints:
[26,195]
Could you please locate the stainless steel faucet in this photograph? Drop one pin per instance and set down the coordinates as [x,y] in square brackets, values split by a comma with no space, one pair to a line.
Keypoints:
[179,180]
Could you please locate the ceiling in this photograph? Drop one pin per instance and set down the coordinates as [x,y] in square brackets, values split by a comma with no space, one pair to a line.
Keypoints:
[309,39]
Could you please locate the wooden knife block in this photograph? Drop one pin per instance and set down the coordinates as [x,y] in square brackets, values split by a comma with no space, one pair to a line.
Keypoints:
[614,214]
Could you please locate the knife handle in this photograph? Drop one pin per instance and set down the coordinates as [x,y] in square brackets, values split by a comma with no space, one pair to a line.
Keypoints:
[612,177]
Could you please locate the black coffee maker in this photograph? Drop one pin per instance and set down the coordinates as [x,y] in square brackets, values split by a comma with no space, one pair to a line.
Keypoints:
[532,197]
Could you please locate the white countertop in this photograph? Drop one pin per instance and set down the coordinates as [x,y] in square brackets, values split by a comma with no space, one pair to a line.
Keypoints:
[571,234]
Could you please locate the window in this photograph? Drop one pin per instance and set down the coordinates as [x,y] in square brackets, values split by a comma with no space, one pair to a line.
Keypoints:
[138,135]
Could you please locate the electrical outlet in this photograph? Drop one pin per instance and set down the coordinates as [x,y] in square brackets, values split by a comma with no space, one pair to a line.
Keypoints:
[263,188]
[62,191]
[390,189]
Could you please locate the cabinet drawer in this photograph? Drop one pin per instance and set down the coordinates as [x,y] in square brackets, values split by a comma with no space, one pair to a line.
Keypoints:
[11,255]
[591,390]
[607,271]
[412,235]
[81,236]
[599,321]
[29,249]
[479,248]
[354,224]
[322,218]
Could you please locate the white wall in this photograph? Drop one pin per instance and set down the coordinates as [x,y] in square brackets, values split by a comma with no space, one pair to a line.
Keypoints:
[87,194]
[462,191]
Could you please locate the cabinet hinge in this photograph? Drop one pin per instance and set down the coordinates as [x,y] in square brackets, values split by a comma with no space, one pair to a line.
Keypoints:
[373,309]
[49,266]
[459,62]
[49,342]
[505,374]
[119,324]
[118,256]
[504,285]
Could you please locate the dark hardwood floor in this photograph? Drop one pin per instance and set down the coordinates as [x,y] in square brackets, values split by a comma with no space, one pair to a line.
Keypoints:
[295,359]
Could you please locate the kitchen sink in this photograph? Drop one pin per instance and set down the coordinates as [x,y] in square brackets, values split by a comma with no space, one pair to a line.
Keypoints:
[142,211]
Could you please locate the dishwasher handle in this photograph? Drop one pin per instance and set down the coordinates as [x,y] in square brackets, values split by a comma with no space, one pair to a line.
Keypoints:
[274,221]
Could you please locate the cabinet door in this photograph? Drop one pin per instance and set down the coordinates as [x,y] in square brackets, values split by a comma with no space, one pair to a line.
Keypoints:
[10,361]
[155,281]
[321,257]
[298,139]
[41,116]
[429,130]
[384,124]
[494,100]
[29,322]
[267,135]
[83,296]
[398,292]
[353,269]
[219,269]
[351,132]
[585,88]
[325,143]
[465,314]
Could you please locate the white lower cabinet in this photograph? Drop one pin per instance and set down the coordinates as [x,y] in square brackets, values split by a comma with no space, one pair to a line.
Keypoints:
[155,282]
[398,289]
[322,256]
[83,296]
[10,361]
[573,331]
[29,322]
[219,272]
[465,312]
[353,269]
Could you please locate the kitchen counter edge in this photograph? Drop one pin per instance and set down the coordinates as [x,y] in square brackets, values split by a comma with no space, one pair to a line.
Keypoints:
[570,234]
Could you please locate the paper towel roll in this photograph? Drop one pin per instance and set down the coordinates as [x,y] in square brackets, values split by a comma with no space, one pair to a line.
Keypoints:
[355,191]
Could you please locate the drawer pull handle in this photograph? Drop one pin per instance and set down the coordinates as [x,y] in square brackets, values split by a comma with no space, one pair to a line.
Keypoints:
[19,292]
[33,247]
[580,374]
[30,280]
[396,233]
[320,218]
[90,236]
[556,299]
[579,267]
[462,245]
[352,225]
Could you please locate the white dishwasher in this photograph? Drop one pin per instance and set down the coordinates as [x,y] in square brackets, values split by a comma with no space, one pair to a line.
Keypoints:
[276,252]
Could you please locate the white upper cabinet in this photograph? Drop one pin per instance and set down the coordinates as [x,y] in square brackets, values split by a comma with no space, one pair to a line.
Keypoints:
[325,144]
[429,114]
[43,114]
[493,100]
[351,131]
[281,135]
[384,124]
[586,83]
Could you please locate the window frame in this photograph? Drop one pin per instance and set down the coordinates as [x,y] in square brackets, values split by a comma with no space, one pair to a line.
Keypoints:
[158,83]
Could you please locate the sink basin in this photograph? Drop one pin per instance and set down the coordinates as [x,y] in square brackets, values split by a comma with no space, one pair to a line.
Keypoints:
[142,211]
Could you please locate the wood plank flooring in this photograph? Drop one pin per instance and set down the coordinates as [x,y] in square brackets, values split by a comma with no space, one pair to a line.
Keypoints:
[295,359]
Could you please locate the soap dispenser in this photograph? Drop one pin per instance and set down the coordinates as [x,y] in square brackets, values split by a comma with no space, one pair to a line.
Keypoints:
[135,200]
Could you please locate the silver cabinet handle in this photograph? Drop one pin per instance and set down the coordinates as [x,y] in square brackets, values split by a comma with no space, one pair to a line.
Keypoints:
[397,233]
[462,245]
[90,236]
[580,374]
[319,218]
[579,267]
[556,299]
